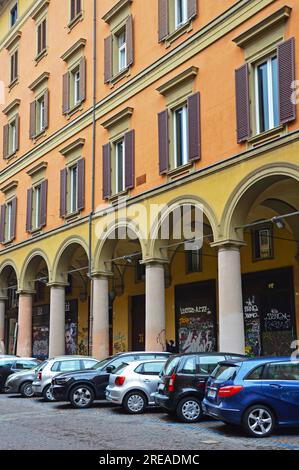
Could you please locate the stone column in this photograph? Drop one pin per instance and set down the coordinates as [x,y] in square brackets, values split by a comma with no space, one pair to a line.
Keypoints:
[100,317]
[231,322]
[155,323]
[2,325]
[57,321]
[24,343]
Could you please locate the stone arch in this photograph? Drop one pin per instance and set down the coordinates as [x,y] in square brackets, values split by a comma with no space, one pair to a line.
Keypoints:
[64,253]
[247,191]
[155,244]
[7,267]
[29,269]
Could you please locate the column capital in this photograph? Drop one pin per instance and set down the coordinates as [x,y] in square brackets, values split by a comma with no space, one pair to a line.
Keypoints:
[101,275]
[61,285]
[154,261]
[228,244]
[26,292]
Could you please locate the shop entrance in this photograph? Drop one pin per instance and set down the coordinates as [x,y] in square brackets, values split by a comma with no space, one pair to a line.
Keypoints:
[269,312]
[138,322]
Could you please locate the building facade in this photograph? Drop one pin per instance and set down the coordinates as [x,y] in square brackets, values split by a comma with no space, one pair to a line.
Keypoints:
[122,121]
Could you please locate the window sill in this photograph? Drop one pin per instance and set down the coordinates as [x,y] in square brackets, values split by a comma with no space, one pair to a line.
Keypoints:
[180,171]
[119,76]
[7,243]
[74,110]
[70,217]
[11,156]
[114,198]
[183,29]
[35,231]
[40,56]
[75,21]
[39,136]
[12,84]
[267,136]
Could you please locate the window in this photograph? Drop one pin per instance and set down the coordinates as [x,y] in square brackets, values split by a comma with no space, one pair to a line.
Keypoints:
[25,365]
[119,166]
[36,207]
[66,366]
[122,51]
[42,37]
[181,12]
[73,188]
[76,9]
[14,58]
[36,216]
[208,364]
[282,371]
[41,114]
[76,85]
[180,123]
[12,137]
[266,90]
[194,261]
[89,363]
[256,374]
[150,368]
[9,221]
[263,243]
[13,15]
[224,372]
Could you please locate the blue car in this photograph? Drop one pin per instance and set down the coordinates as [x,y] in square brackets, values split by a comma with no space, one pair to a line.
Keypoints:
[257,394]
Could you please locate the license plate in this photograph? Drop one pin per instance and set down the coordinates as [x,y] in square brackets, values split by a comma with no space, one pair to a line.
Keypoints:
[212,393]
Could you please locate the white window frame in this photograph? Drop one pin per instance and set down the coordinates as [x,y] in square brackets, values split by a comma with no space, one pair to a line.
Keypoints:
[37,200]
[9,221]
[12,136]
[185,136]
[41,106]
[77,79]
[73,194]
[117,188]
[122,51]
[184,5]
[267,60]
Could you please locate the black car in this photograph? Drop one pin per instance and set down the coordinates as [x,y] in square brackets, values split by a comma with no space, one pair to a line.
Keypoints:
[10,365]
[81,388]
[183,383]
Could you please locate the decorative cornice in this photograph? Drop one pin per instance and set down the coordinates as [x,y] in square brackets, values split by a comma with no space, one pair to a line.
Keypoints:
[39,80]
[39,9]
[12,40]
[80,44]
[278,17]
[37,168]
[179,79]
[77,144]
[9,186]
[116,118]
[14,104]
[115,10]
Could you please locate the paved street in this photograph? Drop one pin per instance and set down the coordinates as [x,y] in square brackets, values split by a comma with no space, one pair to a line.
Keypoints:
[33,424]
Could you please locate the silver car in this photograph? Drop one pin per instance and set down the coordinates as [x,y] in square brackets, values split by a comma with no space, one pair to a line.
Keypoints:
[133,385]
[50,368]
[21,382]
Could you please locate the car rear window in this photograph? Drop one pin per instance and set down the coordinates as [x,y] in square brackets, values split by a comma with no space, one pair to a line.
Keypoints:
[224,372]
[171,364]
[208,363]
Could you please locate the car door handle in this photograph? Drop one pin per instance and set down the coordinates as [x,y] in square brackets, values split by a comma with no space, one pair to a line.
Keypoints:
[275,386]
[147,381]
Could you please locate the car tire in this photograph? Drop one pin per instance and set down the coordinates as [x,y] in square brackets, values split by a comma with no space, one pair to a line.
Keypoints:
[258,421]
[26,390]
[81,396]
[47,395]
[135,403]
[189,410]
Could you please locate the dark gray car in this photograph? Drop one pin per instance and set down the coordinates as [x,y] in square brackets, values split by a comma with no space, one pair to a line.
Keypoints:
[21,382]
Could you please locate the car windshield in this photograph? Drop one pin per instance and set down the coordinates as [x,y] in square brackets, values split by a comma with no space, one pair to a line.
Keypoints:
[224,372]
[101,364]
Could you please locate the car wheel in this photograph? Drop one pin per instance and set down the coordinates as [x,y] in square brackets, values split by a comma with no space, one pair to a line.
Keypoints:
[258,421]
[189,410]
[47,394]
[26,390]
[82,396]
[134,403]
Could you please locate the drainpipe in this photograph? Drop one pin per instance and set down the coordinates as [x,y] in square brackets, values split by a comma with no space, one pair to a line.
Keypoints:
[94,101]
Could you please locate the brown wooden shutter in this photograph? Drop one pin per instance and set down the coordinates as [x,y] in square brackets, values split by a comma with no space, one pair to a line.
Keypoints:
[194,127]
[286,77]
[29,210]
[106,171]
[66,93]
[73,9]
[13,218]
[44,35]
[81,184]
[79,7]
[46,102]
[82,68]
[242,103]
[130,40]
[39,38]
[43,203]
[5,141]
[15,66]
[108,58]
[163,142]
[2,223]
[17,132]
[192,8]
[129,159]
[32,129]
[63,188]
[163,19]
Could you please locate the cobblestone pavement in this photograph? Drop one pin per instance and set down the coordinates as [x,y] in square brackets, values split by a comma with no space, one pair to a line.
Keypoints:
[33,424]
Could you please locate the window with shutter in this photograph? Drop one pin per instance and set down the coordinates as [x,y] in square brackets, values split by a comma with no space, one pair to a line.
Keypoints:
[11,133]
[14,59]
[75,9]
[175,17]
[106,171]
[41,37]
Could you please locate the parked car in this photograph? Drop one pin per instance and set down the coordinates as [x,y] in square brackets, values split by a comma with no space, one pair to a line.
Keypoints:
[11,365]
[257,394]
[183,381]
[54,366]
[21,382]
[82,388]
[133,385]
